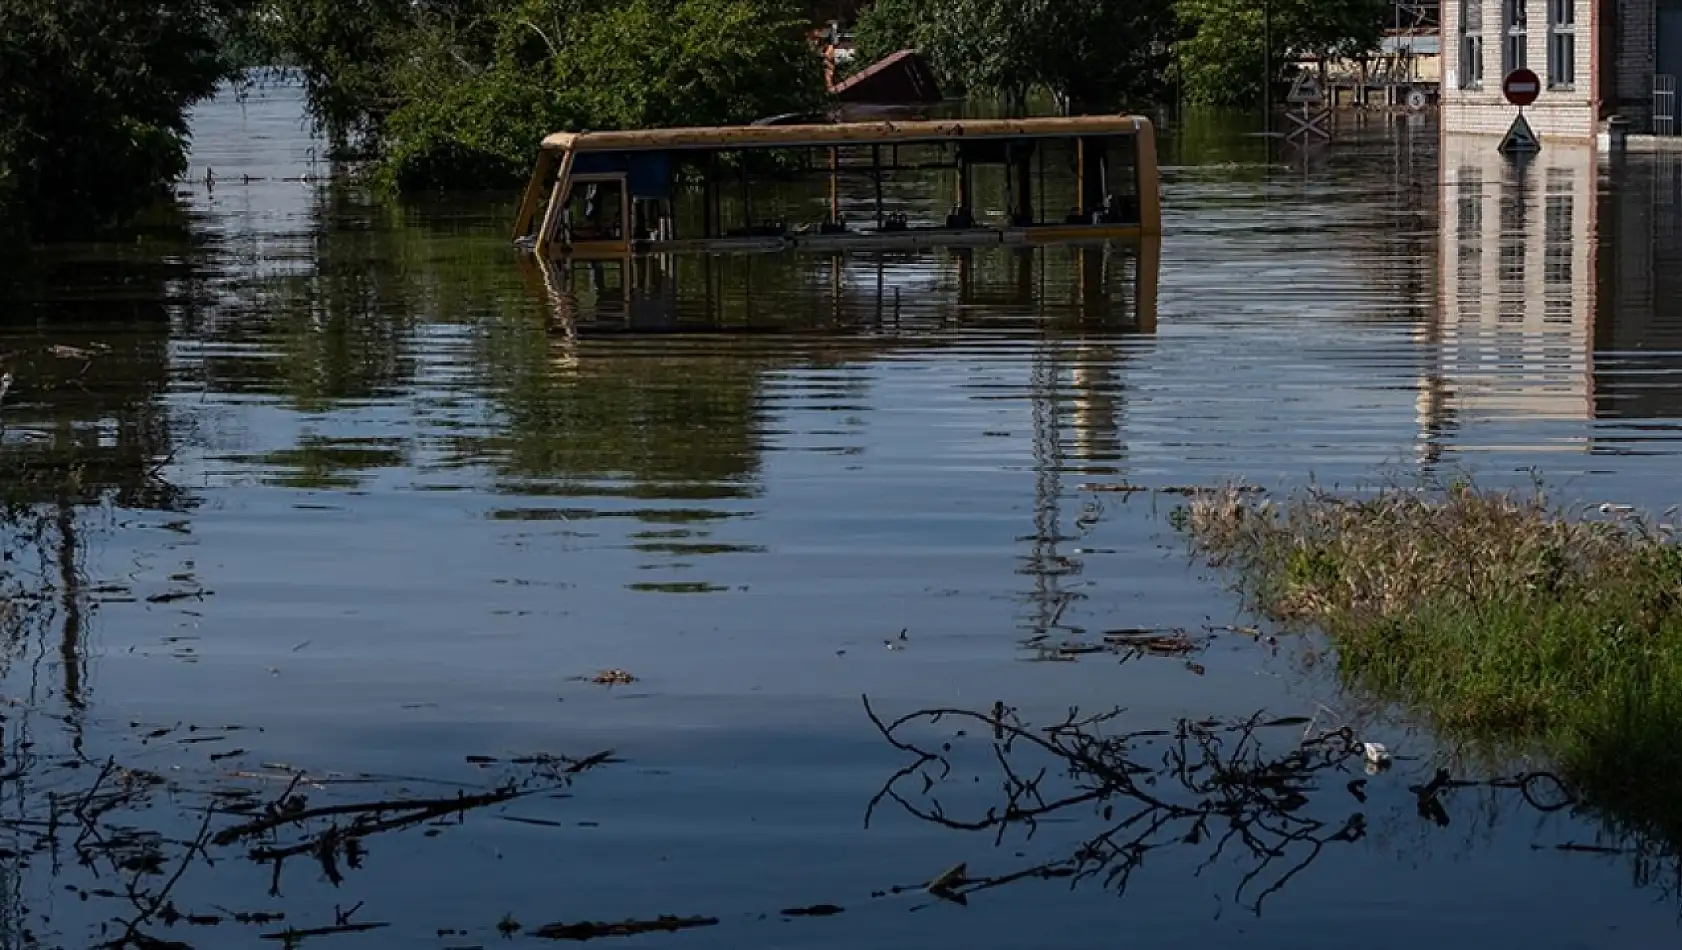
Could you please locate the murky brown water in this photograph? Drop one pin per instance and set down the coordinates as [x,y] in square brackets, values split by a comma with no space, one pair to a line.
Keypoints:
[413,488]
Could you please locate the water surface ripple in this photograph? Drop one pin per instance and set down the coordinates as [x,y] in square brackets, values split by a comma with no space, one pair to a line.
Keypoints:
[396,494]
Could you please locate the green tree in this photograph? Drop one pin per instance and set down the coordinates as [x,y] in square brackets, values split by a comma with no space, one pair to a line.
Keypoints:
[345,53]
[1104,54]
[1090,54]
[94,98]
[1229,43]
[986,45]
[449,95]
[885,28]
[652,63]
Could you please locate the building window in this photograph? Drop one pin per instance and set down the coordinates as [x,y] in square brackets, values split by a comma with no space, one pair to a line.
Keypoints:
[1515,33]
[1562,44]
[1471,44]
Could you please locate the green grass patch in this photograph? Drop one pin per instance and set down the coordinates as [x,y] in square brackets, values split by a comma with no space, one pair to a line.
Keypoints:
[1499,617]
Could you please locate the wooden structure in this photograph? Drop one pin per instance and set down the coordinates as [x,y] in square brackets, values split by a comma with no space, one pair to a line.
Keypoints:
[901,79]
[1063,179]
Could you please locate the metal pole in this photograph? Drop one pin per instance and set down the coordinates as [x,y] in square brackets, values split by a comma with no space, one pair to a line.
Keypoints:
[876,173]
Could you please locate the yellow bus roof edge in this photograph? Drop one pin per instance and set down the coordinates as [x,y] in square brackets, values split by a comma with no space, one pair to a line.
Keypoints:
[727,137]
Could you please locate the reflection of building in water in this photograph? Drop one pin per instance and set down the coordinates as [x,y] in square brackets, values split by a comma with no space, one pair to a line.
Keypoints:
[1562,297]
[1514,331]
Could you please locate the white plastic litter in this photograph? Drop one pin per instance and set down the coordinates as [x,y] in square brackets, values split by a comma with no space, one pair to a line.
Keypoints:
[1376,753]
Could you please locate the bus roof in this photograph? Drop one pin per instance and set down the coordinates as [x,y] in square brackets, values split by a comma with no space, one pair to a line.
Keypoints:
[731,137]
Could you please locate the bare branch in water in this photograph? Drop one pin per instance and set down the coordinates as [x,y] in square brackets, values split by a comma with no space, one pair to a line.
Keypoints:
[1203,784]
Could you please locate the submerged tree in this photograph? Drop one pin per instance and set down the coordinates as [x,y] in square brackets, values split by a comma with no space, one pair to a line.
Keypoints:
[342,51]
[93,105]
[459,94]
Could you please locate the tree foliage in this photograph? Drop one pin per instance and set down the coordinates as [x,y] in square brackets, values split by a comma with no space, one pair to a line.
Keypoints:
[94,98]
[1101,54]
[885,28]
[458,94]
[1088,53]
[1230,43]
[647,63]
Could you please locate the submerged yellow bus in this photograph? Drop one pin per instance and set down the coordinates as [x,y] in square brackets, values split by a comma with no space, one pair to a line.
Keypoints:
[1046,180]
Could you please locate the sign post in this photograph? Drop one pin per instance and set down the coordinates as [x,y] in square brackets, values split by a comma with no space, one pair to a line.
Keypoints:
[1521,87]
[1314,117]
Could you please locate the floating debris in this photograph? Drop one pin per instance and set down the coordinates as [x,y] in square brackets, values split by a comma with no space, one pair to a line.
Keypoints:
[175,595]
[953,877]
[816,910]
[291,937]
[1377,756]
[76,352]
[1124,488]
[590,930]
[1158,642]
[612,677]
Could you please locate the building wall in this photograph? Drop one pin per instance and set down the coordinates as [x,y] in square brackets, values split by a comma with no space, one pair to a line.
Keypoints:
[1563,114]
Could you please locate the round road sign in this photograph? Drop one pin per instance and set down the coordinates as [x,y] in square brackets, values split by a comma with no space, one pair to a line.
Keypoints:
[1521,87]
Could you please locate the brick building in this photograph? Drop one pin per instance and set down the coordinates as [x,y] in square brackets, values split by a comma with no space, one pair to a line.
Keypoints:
[1596,59]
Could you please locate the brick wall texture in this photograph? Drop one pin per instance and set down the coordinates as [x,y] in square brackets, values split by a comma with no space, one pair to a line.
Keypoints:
[1626,60]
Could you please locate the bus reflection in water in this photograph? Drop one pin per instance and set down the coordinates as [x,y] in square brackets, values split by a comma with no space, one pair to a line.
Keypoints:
[1085,286]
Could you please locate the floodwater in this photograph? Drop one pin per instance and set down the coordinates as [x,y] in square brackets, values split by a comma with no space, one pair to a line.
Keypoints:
[362,483]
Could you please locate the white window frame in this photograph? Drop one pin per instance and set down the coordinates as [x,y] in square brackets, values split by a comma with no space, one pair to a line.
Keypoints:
[1562,44]
[1515,35]
[1471,44]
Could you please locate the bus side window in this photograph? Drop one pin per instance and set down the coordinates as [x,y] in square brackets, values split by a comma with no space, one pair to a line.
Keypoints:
[1122,176]
[593,211]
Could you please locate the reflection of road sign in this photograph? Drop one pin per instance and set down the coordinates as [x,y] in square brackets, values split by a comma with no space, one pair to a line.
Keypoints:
[1521,87]
[1306,90]
[1306,123]
[1417,99]
[1519,139]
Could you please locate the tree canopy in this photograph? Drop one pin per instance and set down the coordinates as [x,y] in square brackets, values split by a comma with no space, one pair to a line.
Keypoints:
[1229,43]
[1086,52]
[1105,53]
[94,98]
[458,94]
[94,95]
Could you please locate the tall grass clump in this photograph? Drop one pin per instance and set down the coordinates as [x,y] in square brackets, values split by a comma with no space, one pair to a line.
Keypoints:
[1497,615]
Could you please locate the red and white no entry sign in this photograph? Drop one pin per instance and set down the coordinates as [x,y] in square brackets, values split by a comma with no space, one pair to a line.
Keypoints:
[1521,87]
